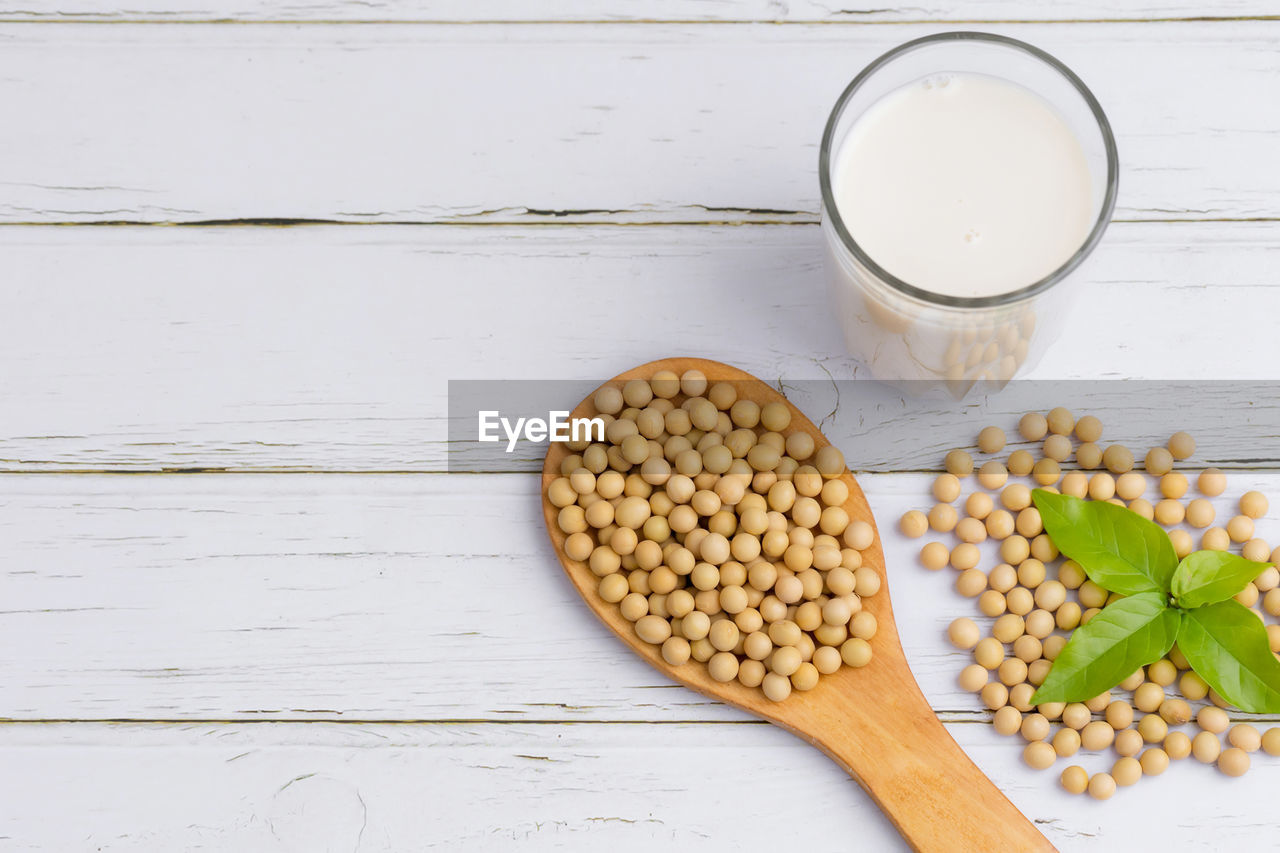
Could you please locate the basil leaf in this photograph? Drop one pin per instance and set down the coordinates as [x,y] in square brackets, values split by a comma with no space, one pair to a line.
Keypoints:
[1128,633]
[1207,577]
[1118,549]
[1227,646]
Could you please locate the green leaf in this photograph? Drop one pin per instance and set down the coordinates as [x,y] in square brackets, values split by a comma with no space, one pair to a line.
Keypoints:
[1226,644]
[1118,549]
[1128,633]
[1207,577]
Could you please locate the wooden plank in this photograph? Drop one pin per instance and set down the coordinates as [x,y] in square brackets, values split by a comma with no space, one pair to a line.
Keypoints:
[392,597]
[537,788]
[616,11]
[329,348]
[248,122]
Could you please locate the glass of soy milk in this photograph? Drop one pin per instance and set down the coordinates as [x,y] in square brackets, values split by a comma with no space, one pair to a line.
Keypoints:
[965,177]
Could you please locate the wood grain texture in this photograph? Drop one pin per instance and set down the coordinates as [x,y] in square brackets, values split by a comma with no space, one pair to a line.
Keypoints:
[366,123]
[619,11]
[355,597]
[330,348]
[627,788]
[873,721]
[419,598]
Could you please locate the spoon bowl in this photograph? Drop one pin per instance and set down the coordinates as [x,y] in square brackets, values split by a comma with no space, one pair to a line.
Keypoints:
[873,721]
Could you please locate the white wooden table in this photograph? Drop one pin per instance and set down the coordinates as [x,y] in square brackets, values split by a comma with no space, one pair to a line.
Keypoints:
[246,242]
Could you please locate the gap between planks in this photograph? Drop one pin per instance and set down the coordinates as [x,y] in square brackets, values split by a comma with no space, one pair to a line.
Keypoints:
[614,22]
[948,717]
[1261,466]
[550,219]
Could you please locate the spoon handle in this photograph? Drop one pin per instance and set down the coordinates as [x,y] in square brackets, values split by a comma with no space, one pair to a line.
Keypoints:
[898,750]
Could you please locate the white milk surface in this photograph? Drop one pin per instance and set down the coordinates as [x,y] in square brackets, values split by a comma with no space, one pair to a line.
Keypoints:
[964,185]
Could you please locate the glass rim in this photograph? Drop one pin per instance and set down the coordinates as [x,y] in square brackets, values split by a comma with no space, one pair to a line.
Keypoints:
[832,213]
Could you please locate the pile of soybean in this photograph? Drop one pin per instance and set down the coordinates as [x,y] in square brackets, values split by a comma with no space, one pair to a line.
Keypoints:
[720,532]
[1030,601]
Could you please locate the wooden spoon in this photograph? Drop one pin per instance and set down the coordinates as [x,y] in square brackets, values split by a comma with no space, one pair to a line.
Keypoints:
[873,721]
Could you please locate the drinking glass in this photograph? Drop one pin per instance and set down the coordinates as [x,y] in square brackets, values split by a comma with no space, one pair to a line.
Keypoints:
[901,331]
